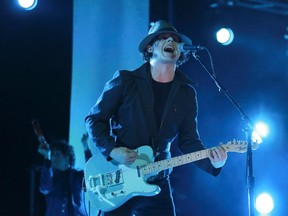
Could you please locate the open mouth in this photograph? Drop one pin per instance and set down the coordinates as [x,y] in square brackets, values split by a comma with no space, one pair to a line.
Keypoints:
[169,49]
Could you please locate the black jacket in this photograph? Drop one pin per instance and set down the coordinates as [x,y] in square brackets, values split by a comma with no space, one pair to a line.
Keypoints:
[124,116]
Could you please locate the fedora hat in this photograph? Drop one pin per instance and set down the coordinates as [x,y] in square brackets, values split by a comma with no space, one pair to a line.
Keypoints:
[161,27]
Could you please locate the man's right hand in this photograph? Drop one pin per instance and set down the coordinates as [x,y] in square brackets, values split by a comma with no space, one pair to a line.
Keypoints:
[124,155]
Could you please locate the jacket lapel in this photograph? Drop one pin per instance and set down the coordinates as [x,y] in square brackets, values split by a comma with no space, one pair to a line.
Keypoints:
[142,79]
[169,103]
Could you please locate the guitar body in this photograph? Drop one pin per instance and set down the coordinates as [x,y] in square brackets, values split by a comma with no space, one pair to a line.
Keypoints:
[110,185]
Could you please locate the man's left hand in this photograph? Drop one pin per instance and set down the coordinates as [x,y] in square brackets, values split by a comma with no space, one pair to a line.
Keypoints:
[218,156]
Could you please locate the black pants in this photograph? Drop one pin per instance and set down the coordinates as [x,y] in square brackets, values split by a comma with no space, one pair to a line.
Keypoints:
[161,204]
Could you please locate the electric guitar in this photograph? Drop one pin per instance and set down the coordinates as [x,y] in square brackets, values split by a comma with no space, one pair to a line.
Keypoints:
[109,185]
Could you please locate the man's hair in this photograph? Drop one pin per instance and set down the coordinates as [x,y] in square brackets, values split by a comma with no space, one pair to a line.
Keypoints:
[65,148]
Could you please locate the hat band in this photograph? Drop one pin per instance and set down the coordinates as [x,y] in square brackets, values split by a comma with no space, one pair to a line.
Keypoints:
[167,29]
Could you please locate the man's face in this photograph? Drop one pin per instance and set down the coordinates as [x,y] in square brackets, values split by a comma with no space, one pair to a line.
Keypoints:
[165,48]
[59,160]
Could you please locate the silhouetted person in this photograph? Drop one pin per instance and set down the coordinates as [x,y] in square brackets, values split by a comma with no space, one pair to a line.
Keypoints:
[60,182]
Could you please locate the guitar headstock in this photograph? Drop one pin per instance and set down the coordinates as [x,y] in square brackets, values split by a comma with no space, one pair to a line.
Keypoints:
[238,146]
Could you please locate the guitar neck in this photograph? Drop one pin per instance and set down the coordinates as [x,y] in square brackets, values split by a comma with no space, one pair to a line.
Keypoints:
[231,146]
[174,162]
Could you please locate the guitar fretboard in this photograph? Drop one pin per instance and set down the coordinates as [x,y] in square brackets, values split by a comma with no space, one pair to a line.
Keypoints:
[174,162]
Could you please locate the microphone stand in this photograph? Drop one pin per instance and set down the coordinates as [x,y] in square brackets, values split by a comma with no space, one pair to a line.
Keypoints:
[248,131]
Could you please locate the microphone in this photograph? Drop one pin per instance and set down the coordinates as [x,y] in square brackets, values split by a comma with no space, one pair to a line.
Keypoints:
[187,47]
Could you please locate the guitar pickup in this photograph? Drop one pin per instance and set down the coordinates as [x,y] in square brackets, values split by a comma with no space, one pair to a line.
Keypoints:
[114,178]
[106,180]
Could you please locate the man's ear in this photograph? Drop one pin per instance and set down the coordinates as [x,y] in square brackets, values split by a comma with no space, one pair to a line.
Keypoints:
[150,49]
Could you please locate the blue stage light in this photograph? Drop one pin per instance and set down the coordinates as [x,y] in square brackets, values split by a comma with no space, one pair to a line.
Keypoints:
[28,4]
[264,203]
[225,36]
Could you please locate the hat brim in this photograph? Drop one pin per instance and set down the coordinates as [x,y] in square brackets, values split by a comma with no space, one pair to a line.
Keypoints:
[147,40]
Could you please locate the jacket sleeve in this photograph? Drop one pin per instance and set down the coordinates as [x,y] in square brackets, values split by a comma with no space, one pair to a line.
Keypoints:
[46,178]
[189,139]
[97,121]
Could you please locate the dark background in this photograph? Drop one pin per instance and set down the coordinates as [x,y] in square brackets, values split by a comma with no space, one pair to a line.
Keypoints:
[35,82]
